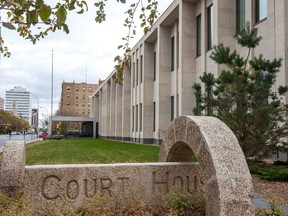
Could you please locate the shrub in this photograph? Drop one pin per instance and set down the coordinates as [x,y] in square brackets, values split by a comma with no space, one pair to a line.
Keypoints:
[271,173]
[274,210]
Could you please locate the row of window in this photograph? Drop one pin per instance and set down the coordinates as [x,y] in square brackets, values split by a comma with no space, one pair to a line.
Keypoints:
[138,78]
[260,11]
[77,111]
[68,88]
[77,96]
[77,104]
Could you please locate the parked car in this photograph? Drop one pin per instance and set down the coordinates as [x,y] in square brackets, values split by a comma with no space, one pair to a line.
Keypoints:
[15,133]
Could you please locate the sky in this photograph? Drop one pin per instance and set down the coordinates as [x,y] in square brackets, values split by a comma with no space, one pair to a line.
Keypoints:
[85,54]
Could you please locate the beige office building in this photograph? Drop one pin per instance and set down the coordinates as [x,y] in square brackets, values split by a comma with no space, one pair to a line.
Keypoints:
[167,61]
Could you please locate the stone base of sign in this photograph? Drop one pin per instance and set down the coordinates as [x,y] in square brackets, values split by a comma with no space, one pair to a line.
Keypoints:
[13,164]
[68,187]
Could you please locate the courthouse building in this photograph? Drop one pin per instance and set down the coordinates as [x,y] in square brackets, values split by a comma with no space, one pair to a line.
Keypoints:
[167,61]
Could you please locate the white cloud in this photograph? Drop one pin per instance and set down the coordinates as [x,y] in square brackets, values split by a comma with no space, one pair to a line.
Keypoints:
[89,46]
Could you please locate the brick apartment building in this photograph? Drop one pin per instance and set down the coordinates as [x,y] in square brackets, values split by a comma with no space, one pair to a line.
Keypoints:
[75,101]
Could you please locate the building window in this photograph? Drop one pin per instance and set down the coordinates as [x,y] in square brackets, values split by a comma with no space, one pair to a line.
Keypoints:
[240,15]
[133,119]
[172,53]
[89,104]
[89,89]
[260,10]
[154,116]
[141,69]
[83,111]
[177,48]
[89,111]
[83,104]
[137,68]
[134,74]
[76,111]
[83,89]
[77,89]
[172,107]
[68,88]
[68,103]
[67,111]
[90,96]
[136,117]
[198,36]
[76,104]
[68,96]
[140,116]
[83,97]
[210,27]
[154,66]
[77,96]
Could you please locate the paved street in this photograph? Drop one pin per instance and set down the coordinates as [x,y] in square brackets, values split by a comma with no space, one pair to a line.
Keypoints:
[3,138]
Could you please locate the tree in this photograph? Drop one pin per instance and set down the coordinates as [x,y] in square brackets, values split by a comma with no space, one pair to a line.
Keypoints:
[242,97]
[33,20]
[12,122]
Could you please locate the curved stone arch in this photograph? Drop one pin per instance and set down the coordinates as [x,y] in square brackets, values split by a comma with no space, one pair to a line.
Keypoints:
[226,177]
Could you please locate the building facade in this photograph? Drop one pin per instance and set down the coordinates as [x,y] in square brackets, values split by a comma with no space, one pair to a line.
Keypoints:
[75,101]
[1,103]
[17,101]
[169,59]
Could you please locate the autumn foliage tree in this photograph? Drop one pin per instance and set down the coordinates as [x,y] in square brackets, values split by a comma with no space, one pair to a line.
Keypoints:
[8,121]
[242,97]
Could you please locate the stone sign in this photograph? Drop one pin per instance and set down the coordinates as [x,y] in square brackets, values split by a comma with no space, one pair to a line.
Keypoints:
[227,180]
[67,187]
[220,177]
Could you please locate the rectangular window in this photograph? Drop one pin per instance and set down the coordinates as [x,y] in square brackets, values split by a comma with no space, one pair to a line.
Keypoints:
[76,111]
[140,117]
[76,104]
[68,88]
[198,36]
[77,96]
[133,119]
[154,65]
[77,89]
[172,107]
[83,111]
[172,53]
[177,50]
[240,15]
[89,89]
[83,97]
[260,10]
[68,103]
[68,96]
[210,27]
[136,117]
[137,69]
[141,69]
[154,116]
[133,74]
[83,89]
[83,104]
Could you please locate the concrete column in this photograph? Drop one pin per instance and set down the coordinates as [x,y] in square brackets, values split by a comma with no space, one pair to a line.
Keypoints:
[187,52]
[163,81]
[126,105]
[148,75]
[118,107]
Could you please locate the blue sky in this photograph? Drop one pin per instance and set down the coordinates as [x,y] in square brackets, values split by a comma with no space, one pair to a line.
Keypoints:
[88,47]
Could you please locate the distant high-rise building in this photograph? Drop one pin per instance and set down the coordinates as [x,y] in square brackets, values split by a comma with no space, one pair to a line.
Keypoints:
[76,100]
[1,103]
[18,102]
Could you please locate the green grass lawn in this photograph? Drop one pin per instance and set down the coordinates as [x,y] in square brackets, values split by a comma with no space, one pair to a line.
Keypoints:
[85,151]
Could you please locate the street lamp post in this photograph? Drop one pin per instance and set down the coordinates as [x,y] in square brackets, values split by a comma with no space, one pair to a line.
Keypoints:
[37,122]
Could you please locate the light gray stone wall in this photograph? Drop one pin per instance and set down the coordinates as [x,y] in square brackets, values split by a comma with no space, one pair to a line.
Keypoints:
[13,164]
[67,187]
